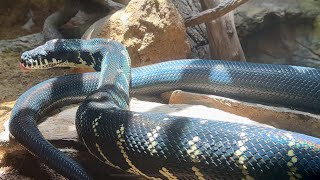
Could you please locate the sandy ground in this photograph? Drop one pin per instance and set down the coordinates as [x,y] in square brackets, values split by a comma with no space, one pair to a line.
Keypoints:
[13,83]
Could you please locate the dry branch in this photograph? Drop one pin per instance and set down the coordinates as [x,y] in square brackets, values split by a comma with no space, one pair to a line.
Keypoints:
[214,13]
[222,35]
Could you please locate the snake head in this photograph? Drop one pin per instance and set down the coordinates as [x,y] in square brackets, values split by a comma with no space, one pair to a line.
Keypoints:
[54,53]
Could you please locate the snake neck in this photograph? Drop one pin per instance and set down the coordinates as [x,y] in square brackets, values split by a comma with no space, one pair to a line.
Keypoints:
[114,81]
[115,67]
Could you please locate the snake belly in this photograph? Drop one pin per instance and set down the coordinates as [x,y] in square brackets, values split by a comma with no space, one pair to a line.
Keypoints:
[158,146]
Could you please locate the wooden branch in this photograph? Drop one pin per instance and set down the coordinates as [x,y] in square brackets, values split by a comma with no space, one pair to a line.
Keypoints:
[291,120]
[214,13]
[222,35]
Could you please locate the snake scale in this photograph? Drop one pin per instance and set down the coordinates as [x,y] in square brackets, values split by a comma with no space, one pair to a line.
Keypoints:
[158,146]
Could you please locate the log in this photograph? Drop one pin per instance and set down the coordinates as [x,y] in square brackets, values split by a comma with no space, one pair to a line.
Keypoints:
[279,117]
[197,34]
[222,35]
[213,13]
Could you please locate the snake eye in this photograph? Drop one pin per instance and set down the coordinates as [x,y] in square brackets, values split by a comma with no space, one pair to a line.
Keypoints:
[24,57]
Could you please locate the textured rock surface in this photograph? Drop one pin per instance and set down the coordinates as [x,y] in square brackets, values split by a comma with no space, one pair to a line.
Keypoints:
[272,31]
[153,31]
[14,14]
[286,32]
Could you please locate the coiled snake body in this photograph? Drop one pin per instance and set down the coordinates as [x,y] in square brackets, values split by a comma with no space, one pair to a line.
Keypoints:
[158,146]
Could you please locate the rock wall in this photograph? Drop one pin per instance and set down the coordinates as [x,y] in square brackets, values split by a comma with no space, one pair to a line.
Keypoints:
[282,32]
[272,31]
[14,14]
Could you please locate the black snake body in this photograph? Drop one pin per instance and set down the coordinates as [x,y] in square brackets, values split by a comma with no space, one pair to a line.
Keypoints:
[167,147]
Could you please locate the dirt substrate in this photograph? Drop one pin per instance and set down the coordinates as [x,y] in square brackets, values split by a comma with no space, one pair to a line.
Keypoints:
[13,82]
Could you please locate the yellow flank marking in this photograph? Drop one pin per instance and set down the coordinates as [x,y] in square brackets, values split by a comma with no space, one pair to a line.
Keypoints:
[243,165]
[249,177]
[243,149]
[289,135]
[152,140]
[198,173]
[133,168]
[294,159]
[81,60]
[81,117]
[91,56]
[238,153]
[165,172]
[193,150]
[106,161]
[291,143]
[95,123]
[293,174]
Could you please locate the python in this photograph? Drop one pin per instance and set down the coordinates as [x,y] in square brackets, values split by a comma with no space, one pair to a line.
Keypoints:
[158,146]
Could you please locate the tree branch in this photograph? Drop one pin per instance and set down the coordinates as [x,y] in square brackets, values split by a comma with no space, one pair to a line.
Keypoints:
[214,13]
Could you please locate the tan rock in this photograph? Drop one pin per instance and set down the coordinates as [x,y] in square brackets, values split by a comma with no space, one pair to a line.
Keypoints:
[152,30]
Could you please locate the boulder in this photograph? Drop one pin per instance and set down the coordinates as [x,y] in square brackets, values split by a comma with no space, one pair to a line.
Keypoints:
[152,31]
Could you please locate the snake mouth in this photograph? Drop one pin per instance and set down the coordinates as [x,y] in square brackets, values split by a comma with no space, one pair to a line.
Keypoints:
[23,67]
[27,65]
[31,64]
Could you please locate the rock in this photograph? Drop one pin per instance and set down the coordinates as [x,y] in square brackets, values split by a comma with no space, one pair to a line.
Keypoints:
[273,31]
[153,31]
[14,14]
[21,44]
[281,32]
[279,117]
